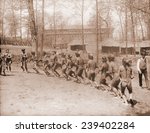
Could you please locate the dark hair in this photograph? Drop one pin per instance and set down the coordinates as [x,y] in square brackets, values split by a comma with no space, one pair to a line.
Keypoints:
[54,52]
[143,53]
[22,50]
[90,56]
[104,59]
[69,56]
[77,54]
[111,57]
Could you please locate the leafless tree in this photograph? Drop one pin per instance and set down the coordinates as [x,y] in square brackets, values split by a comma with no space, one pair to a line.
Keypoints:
[32,25]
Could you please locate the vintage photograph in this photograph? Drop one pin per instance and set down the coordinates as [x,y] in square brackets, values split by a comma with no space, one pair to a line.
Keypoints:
[74,57]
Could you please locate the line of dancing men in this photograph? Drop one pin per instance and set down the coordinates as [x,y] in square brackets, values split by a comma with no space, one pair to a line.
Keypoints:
[75,67]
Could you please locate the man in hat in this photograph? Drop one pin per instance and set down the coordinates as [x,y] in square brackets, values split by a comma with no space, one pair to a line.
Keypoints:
[24,60]
[142,69]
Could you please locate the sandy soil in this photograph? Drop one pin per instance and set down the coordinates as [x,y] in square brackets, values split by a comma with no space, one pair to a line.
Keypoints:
[33,94]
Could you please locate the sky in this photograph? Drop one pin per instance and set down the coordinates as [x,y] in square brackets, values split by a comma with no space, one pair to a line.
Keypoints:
[71,9]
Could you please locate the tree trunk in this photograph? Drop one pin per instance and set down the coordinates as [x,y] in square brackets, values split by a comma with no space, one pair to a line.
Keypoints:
[133,27]
[97,34]
[148,33]
[122,31]
[126,28]
[148,28]
[2,20]
[21,21]
[42,44]
[14,20]
[82,22]
[142,30]
[32,27]
[54,21]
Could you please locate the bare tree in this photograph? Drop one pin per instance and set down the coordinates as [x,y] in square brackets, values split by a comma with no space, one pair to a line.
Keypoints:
[20,20]
[42,44]
[82,16]
[32,26]
[2,20]
[97,33]
[133,25]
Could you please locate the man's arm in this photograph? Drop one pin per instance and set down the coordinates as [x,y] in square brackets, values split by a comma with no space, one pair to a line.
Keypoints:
[138,66]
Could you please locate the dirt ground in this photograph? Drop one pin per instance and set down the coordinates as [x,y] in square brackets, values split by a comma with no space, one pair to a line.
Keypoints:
[24,93]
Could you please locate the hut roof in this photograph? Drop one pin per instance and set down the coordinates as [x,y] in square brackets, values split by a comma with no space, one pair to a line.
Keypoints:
[76,42]
[110,43]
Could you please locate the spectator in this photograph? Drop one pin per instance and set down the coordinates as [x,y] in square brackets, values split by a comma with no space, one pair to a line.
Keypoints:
[142,69]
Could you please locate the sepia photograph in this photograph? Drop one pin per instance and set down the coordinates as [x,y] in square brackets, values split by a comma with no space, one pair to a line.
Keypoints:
[74,57]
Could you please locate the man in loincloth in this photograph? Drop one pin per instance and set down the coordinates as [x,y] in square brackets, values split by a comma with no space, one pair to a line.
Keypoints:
[126,76]
[24,60]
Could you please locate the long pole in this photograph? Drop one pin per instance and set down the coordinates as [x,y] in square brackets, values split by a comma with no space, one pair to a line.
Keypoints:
[42,44]
[21,21]
[82,22]
[54,19]
[126,26]
[97,40]
[37,45]
[2,17]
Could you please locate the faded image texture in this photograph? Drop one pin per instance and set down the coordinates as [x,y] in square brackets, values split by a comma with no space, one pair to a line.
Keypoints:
[74,57]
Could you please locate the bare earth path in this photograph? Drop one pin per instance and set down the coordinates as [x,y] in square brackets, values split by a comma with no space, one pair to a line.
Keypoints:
[31,94]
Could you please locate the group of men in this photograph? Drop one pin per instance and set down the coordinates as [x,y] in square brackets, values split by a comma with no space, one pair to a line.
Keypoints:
[85,70]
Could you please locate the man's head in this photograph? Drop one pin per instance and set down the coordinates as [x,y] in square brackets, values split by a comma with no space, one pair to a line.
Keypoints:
[90,56]
[128,62]
[69,57]
[124,60]
[143,54]
[53,52]
[111,57]
[7,50]
[104,59]
[77,54]
[23,50]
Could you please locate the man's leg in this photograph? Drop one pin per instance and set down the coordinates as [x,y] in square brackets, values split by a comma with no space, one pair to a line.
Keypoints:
[123,87]
[0,69]
[146,78]
[26,67]
[140,79]
[129,87]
